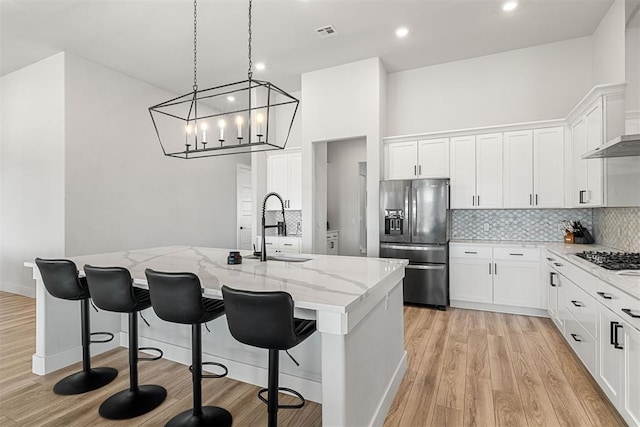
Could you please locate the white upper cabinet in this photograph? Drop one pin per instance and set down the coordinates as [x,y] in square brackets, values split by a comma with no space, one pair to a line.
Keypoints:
[587,177]
[518,169]
[489,171]
[476,171]
[534,168]
[418,159]
[548,167]
[463,172]
[284,176]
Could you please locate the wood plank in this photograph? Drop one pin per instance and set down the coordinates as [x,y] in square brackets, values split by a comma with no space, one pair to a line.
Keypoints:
[444,417]
[459,330]
[477,320]
[493,323]
[452,382]
[537,406]
[502,377]
[508,409]
[478,354]
[478,402]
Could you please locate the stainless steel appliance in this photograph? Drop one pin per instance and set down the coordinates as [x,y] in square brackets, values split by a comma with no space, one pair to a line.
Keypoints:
[617,261]
[415,225]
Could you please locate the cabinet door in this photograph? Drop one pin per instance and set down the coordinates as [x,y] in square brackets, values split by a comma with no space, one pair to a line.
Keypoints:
[277,179]
[630,408]
[518,169]
[552,298]
[471,280]
[433,158]
[594,134]
[610,359]
[516,283]
[548,167]
[294,195]
[489,171]
[463,172]
[578,166]
[402,160]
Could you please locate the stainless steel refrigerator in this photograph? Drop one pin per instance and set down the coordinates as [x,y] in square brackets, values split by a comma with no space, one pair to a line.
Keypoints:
[415,225]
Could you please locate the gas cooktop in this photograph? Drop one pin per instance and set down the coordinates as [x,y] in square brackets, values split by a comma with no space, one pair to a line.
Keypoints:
[613,260]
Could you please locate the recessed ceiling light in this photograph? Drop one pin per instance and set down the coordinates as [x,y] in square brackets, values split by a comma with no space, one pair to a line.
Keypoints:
[231,98]
[260,66]
[509,5]
[402,32]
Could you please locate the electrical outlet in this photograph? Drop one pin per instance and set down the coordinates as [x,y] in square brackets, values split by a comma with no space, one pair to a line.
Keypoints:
[486,226]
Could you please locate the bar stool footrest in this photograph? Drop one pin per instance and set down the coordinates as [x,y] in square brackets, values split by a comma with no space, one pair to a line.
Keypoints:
[150,358]
[226,371]
[288,390]
[101,341]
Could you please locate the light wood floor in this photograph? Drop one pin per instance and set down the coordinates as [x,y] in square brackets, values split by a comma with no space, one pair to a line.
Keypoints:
[465,368]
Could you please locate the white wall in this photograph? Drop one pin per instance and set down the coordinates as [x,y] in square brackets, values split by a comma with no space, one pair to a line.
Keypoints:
[608,46]
[343,208]
[536,83]
[632,58]
[31,170]
[342,102]
[122,193]
[283,122]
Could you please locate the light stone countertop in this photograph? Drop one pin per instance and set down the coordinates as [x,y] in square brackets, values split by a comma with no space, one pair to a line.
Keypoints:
[518,243]
[326,283]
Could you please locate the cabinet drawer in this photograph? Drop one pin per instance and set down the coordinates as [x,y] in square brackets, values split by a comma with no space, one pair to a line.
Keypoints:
[583,306]
[470,251]
[516,253]
[619,302]
[289,244]
[582,343]
[577,275]
[332,235]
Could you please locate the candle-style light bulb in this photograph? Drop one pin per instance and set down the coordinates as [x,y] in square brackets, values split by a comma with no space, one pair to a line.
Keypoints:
[221,125]
[260,120]
[203,127]
[187,136]
[239,122]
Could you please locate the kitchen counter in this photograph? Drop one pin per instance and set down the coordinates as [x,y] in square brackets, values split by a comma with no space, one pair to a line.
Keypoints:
[356,301]
[628,284]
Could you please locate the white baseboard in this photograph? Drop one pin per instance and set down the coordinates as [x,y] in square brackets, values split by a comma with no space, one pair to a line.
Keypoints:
[392,389]
[27,291]
[44,365]
[498,308]
[256,375]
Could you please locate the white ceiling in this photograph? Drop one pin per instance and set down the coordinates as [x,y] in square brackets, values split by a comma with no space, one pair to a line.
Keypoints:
[152,39]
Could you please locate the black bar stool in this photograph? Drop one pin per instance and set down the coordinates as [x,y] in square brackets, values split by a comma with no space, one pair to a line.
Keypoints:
[265,320]
[60,277]
[112,290]
[177,298]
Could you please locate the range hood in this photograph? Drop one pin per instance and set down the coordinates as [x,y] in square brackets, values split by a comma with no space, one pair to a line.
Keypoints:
[623,146]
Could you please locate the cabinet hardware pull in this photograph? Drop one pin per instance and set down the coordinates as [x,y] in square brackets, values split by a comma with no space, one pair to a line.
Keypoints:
[470,252]
[288,244]
[495,269]
[557,264]
[576,337]
[531,199]
[577,303]
[605,296]
[551,275]
[478,200]
[415,170]
[489,268]
[550,259]
[612,332]
[581,198]
[630,313]
[615,343]
[420,170]
[473,200]
[536,200]
[516,254]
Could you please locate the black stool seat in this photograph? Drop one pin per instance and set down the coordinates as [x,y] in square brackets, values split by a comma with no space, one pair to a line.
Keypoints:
[265,320]
[112,290]
[60,277]
[177,298]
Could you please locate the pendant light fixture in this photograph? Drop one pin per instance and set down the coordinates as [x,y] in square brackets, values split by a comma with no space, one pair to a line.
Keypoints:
[230,119]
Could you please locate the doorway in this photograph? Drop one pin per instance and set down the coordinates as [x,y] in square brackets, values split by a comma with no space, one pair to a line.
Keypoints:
[244,209]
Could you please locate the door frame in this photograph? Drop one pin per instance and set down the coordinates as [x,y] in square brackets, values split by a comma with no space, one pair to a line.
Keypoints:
[242,169]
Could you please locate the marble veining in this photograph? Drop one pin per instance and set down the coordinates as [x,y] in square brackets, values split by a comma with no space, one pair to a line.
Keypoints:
[330,283]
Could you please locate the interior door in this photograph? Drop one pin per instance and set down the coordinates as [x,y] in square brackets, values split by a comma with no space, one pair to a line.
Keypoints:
[244,207]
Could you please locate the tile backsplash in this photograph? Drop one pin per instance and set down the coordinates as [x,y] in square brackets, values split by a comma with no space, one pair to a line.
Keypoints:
[292,218]
[618,228]
[540,225]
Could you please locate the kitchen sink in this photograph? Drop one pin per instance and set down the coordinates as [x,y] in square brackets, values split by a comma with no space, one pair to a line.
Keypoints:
[281,258]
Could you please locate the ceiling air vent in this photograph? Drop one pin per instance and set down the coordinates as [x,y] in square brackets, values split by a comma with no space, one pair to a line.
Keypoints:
[326,31]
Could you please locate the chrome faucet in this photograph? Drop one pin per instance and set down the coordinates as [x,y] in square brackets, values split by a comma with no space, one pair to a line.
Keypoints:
[263,250]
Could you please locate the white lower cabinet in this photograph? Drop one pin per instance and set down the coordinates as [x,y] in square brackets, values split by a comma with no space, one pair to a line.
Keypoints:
[630,408]
[610,355]
[504,275]
[280,244]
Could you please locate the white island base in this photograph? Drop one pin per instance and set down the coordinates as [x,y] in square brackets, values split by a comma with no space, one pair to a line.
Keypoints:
[353,366]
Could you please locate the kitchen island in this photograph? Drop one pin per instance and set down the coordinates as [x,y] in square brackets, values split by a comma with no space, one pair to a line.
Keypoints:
[353,365]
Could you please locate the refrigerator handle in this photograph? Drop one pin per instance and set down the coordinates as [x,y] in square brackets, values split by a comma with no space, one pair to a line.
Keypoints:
[414,211]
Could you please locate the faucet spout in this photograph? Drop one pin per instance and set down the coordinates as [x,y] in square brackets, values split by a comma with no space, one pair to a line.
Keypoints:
[263,249]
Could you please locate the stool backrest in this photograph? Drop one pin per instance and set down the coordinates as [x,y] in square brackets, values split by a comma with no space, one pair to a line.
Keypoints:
[60,277]
[175,297]
[111,288]
[260,319]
